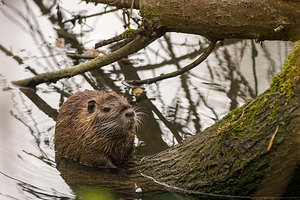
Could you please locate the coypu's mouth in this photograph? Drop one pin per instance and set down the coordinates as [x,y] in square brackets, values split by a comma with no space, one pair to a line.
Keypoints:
[130,125]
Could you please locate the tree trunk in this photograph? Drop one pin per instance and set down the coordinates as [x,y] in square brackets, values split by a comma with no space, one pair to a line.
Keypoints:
[252,151]
[215,19]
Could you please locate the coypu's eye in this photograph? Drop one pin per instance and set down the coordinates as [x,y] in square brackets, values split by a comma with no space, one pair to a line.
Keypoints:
[106,109]
[91,106]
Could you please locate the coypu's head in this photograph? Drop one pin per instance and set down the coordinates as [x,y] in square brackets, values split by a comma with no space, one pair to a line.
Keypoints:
[111,114]
[96,128]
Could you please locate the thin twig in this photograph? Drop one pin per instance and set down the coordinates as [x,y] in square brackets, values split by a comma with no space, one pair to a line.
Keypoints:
[77,17]
[131,8]
[126,25]
[9,53]
[109,41]
[272,139]
[123,36]
[203,56]
[43,158]
[117,3]
[77,56]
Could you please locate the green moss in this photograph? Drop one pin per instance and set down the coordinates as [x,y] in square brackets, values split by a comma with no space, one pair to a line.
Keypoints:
[238,128]
[274,103]
[273,115]
[128,33]
[283,82]
[239,119]
[147,14]
[94,194]
[244,123]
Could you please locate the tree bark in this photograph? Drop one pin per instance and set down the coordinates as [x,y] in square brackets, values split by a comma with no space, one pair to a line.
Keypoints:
[215,19]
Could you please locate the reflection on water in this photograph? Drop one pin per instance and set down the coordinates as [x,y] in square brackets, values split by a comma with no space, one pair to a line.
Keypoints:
[174,109]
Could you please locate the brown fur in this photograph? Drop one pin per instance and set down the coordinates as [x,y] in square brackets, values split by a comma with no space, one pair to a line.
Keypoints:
[82,136]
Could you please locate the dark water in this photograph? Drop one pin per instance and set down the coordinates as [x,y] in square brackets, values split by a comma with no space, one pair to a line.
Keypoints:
[176,108]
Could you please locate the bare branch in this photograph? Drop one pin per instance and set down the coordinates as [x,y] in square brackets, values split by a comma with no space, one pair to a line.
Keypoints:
[109,41]
[118,3]
[127,34]
[203,56]
[132,47]
[79,17]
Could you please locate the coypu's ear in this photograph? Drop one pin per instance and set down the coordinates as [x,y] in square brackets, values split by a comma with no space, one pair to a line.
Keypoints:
[91,106]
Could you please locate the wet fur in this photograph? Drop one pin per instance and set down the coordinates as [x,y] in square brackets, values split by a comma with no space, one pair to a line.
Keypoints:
[98,138]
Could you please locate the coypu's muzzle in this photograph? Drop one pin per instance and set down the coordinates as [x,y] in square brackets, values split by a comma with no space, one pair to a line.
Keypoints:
[129,118]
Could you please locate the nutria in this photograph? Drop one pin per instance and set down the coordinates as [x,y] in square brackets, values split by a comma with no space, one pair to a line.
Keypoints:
[96,128]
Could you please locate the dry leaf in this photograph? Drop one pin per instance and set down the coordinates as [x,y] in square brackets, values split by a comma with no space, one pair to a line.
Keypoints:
[59,42]
[96,52]
[137,91]
[127,60]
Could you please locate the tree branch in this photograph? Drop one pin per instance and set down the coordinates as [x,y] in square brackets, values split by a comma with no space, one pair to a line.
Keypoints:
[79,17]
[127,35]
[118,3]
[214,19]
[203,56]
[132,47]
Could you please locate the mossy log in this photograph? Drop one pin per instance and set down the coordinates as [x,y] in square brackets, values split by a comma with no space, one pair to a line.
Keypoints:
[253,151]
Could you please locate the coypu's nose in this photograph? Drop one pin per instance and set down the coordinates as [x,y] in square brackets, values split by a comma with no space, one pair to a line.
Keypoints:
[129,113]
